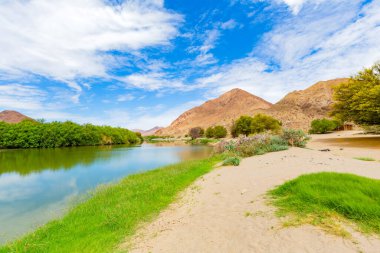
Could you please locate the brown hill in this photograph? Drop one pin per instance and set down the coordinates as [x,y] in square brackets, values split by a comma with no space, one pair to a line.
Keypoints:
[296,110]
[220,111]
[148,132]
[13,116]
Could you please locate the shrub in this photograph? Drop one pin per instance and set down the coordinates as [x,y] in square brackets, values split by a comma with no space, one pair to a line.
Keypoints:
[262,123]
[196,132]
[235,161]
[295,138]
[322,126]
[242,126]
[220,132]
[210,132]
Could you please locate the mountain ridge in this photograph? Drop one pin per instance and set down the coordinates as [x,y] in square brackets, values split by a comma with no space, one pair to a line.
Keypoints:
[296,109]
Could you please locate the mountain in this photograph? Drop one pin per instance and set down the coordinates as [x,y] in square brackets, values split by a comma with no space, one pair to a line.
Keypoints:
[220,111]
[13,116]
[296,110]
[148,132]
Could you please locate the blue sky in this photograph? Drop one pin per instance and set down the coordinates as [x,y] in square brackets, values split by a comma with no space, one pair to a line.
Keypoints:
[139,64]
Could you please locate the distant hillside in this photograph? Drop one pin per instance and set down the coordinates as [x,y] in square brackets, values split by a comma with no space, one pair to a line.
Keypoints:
[151,131]
[296,110]
[13,116]
[220,111]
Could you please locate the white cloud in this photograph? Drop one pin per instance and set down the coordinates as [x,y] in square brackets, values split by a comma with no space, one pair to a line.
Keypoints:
[17,96]
[153,81]
[64,39]
[323,42]
[125,97]
[230,24]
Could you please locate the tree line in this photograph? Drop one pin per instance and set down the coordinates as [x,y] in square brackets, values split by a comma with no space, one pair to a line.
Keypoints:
[32,134]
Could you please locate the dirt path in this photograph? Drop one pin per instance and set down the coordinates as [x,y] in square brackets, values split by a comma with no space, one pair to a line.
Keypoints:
[226,211]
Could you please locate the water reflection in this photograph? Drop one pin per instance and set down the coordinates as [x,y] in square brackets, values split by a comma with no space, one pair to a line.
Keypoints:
[38,185]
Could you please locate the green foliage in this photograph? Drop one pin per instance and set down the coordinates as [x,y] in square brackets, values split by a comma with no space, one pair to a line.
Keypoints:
[242,126]
[318,198]
[358,100]
[220,132]
[260,123]
[31,134]
[140,137]
[196,132]
[234,161]
[322,126]
[295,138]
[113,212]
[210,132]
[263,123]
[216,132]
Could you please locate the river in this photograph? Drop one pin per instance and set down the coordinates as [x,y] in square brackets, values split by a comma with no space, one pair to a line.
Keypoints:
[38,185]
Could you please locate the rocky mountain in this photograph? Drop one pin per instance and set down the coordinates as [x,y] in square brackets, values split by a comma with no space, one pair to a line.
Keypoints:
[148,132]
[296,110]
[13,116]
[220,111]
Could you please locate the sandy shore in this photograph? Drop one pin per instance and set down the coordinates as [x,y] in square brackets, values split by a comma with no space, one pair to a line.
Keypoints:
[226,210]
[340,147]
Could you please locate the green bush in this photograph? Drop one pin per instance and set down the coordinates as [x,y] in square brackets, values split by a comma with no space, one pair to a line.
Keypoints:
[209,132]
[322,126]
[235,161]
[32,134]
[260,123]
[263,123]
[295,138]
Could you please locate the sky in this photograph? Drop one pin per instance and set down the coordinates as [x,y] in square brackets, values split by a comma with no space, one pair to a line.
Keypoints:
[140,64]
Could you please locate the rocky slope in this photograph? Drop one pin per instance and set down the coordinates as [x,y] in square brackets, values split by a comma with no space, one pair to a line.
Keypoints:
[12,116]
[296,110]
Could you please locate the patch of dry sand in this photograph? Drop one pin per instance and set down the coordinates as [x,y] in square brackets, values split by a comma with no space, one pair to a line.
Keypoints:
[226,210]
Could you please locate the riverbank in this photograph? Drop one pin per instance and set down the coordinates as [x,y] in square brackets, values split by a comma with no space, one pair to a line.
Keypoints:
[227,211]
[113,212]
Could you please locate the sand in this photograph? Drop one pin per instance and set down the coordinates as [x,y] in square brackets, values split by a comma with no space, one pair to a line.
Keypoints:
[319,142]
[226,210]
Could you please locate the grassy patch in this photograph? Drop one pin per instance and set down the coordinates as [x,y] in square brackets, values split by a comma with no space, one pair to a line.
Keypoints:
[367,159]
[325,199]
[113,212]
[235,161]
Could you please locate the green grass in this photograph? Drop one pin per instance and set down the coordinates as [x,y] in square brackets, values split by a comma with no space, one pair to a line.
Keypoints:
[114,212]
[367,159]
[327,199]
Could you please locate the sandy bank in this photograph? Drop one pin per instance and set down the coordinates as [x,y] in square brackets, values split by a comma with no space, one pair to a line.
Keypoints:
[225,211]
[338,144]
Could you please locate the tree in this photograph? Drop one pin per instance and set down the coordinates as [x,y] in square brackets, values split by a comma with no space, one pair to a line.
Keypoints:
[210,132]
[358,100]
[242,126]
[322,126]
[196,132]
[220,132]
[262,123]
